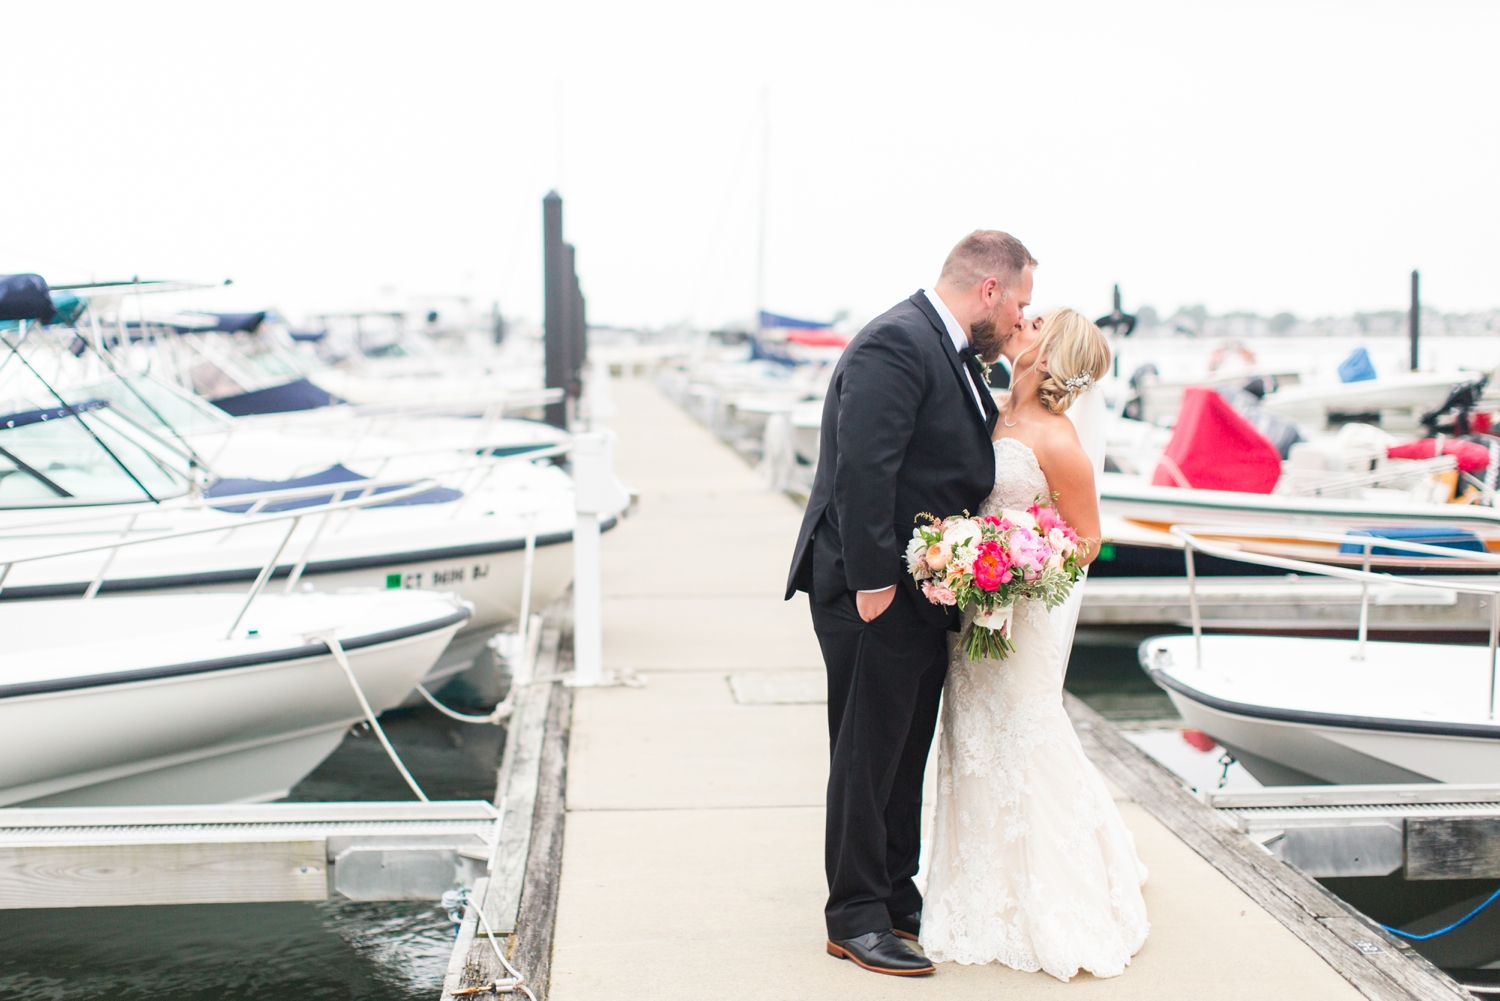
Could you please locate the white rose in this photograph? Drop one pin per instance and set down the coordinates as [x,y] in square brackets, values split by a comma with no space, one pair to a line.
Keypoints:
[914,550]
[1021,518]
[961,532]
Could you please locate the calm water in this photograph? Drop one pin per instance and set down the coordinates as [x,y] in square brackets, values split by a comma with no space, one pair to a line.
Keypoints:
[1104,672]
[395,951]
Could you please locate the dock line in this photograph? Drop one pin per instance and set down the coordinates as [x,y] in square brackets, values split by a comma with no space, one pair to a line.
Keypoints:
[1443,931]
[337,650]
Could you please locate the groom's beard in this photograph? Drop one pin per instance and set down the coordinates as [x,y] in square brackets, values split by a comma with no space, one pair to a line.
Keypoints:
[986,340]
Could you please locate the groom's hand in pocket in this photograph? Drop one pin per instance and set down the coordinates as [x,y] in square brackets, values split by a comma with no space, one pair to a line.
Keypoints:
[872,604]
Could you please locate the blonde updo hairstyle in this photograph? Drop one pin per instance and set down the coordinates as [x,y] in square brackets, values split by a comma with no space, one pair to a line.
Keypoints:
[1073,347]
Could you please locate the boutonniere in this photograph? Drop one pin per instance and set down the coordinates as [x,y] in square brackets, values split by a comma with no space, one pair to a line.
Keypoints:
[984,369]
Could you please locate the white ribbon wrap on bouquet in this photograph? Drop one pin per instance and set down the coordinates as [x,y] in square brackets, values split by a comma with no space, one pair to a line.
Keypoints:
[998,620]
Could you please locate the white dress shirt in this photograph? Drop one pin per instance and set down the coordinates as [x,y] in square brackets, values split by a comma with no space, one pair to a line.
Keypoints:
[958,336]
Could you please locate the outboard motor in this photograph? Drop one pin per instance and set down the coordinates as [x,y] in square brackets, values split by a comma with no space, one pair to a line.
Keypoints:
[1133,408]
[1451,417]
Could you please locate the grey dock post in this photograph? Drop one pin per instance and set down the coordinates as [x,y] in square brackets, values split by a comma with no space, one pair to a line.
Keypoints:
[558,295]
[1414,319]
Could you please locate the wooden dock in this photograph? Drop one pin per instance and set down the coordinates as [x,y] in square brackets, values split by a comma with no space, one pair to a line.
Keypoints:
[691,866]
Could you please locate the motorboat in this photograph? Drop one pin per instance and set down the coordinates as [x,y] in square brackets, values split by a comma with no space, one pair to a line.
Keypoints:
[78,472]
[153,700]
[481,540]
[1300,710]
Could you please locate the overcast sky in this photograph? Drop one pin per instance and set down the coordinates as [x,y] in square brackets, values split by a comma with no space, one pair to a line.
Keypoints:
[1301,156]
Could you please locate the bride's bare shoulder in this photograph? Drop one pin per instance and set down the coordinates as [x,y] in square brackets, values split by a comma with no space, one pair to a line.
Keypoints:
[1060,452]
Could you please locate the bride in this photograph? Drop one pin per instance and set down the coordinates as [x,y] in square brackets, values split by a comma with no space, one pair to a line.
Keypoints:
[1031,864]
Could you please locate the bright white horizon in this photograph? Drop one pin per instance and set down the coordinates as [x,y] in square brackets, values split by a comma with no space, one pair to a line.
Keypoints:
[1266,157]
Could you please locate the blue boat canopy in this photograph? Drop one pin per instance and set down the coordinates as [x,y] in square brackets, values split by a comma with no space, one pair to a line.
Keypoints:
[790,322]
[25,297]
[1357,367]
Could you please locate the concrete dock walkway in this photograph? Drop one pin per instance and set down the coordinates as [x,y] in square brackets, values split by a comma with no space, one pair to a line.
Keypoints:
[692,864]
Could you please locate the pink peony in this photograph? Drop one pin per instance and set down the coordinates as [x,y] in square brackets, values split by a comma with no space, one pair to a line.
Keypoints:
[1028,553]
[991,566]
[1046,517]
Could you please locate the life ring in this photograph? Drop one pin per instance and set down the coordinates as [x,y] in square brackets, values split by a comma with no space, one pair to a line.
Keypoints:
[1232,350]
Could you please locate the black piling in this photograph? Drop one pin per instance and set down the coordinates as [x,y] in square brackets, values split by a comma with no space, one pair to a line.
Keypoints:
[564,325]
[1414,320]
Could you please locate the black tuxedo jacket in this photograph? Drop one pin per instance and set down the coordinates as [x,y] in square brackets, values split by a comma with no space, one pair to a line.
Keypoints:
[900,435]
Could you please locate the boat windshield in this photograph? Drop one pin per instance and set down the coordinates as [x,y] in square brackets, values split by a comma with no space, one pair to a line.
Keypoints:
[187,414]
[48,456]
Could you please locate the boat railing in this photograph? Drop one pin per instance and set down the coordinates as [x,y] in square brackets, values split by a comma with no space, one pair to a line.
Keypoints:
[1396,474]
[112,548]
[1201,539]
[481,466]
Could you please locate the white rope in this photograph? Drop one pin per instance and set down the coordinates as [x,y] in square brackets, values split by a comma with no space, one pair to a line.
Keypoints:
[490,932]
[337,649]
[502,709]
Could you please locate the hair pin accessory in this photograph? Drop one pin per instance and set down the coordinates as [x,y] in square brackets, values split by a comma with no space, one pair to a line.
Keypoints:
[1080,381]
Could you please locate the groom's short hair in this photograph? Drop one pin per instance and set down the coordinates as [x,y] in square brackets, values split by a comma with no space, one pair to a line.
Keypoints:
[986,253]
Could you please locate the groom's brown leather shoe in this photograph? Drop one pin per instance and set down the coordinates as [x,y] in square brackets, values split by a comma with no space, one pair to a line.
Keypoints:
[907,926]
[881,952]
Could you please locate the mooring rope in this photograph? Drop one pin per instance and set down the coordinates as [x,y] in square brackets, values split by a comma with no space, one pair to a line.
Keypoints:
[337,649]
[502,709]
[515,982]
[1443,931]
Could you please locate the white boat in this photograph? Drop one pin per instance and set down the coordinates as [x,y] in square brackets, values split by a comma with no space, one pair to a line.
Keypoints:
[1299,711]
[71,478]
[1303,710]
[1395,402]
[143,700]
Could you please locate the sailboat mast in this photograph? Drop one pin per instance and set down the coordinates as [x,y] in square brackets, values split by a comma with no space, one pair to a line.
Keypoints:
[765,171]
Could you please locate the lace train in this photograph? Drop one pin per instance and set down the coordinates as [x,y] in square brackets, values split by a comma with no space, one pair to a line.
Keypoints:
[1031,864]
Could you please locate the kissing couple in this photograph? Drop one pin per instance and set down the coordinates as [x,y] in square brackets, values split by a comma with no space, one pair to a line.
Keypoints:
[1030,863]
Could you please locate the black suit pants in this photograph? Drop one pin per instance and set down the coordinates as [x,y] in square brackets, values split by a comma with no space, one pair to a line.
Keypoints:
[885,680]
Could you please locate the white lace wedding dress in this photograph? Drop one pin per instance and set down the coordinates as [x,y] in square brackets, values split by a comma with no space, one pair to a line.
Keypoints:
[1031,865]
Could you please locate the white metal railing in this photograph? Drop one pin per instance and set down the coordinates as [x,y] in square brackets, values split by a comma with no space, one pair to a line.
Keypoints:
[1194,542]
[1393,475]
[295,517]
[260,499]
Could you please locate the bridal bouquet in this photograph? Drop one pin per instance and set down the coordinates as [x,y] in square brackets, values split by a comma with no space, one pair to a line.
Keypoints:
[990,563]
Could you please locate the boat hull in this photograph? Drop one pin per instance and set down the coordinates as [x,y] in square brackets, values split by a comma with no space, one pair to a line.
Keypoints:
[236,734]
[1307,711]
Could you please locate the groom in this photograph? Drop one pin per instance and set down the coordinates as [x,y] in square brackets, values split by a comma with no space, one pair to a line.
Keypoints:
[906,429]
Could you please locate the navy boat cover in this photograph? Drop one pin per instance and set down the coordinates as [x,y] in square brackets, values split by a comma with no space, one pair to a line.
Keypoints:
[790,322]
[289,396]
[25,297]
[235,323]
[338,473]
[1445,536]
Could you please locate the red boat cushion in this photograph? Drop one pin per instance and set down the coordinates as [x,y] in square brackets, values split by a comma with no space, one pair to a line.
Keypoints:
[818,338]
[1472,457]
[1214,448]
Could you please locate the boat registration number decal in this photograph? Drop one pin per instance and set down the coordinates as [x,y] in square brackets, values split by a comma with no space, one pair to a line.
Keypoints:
[439,578]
